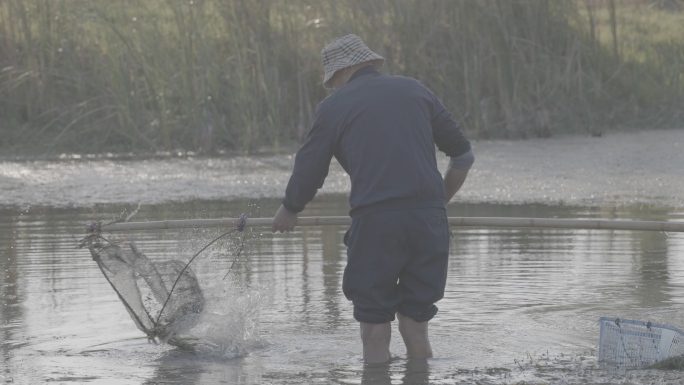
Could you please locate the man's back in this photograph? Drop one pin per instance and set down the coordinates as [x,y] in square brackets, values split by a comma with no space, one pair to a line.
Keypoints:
[383,129]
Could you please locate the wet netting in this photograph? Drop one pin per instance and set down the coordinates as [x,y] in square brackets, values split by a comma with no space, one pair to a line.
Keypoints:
[144,287]
[627,343]
[164,299]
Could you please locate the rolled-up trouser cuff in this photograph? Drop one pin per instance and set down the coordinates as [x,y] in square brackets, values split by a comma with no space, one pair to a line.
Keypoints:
[373,317]
[416,314]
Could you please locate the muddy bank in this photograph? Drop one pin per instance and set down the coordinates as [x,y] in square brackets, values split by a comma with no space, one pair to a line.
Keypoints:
[616,169]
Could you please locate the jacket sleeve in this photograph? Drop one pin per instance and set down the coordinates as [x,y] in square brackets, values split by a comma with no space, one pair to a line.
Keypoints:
[312,163]
[447,134]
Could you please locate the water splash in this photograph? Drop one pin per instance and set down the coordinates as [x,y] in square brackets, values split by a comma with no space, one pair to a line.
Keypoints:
[228,327]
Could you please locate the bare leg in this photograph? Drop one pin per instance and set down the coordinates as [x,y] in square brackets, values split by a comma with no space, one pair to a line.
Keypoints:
[376,340]
[415,335]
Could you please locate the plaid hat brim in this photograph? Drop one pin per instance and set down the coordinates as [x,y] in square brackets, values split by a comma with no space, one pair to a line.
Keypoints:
[346,52]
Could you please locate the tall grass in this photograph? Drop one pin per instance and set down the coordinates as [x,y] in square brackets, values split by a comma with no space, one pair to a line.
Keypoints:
[142,75]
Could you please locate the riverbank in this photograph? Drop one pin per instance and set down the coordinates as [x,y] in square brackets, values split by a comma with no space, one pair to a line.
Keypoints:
[634,168]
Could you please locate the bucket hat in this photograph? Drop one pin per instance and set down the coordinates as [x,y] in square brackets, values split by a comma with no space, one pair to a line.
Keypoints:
[345,52]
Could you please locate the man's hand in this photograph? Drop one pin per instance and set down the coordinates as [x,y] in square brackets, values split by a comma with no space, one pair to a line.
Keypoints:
[284,220]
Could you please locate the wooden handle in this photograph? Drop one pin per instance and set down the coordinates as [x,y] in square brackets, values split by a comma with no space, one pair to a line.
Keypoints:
[588,224]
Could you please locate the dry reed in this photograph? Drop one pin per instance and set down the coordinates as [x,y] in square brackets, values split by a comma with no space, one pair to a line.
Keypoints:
[139,75]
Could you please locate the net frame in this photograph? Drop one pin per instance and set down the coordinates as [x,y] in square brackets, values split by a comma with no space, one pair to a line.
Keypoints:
[628,343]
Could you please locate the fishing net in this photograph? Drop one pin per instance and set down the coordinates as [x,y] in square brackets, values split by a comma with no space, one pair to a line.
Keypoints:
[167,303]
[162,298]
[627,343]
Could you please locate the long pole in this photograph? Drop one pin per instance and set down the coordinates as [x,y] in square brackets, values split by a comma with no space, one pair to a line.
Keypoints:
[588,224]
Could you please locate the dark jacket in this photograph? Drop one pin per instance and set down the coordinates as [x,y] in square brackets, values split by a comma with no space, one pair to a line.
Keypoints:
[382,130]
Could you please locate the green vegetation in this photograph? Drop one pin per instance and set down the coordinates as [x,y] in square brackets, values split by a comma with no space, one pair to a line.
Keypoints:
[241,75]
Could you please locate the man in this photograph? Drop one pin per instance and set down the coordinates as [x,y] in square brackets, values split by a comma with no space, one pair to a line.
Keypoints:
[383,131]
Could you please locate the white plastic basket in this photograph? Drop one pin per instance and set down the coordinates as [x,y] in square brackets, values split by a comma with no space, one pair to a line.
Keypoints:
[628,343]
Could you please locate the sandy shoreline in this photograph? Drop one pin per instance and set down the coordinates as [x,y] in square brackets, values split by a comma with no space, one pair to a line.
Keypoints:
[617,169]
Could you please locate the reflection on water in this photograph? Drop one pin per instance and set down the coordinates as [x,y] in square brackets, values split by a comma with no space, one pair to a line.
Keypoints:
[517,300]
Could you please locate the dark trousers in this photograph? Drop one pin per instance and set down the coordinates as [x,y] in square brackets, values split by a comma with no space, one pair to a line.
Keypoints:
[397,262]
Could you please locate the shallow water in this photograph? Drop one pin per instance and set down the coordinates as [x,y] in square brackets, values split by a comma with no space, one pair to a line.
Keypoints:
[521,304]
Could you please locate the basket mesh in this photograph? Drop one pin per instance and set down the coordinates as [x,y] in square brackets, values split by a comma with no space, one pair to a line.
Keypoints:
[628,343]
